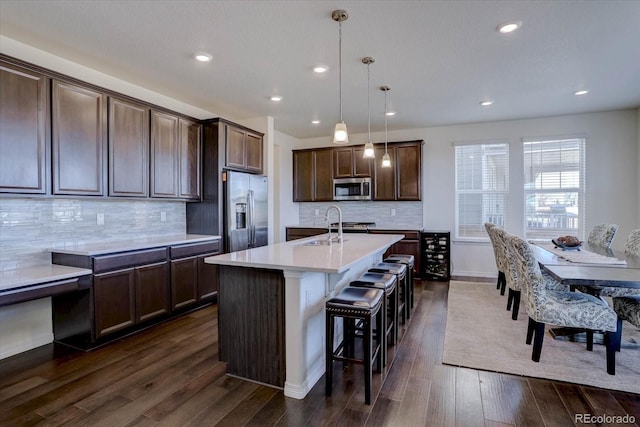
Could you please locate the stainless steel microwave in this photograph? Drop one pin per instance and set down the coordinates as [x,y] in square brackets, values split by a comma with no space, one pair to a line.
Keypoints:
[352,189]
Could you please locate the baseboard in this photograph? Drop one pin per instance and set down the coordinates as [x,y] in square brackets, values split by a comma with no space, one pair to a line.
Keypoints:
[469,278]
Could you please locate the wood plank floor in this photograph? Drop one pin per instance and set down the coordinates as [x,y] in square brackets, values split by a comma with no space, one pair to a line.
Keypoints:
[170,375]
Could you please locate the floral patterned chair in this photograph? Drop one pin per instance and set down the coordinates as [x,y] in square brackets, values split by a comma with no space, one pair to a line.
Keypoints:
[602,235]
[626,302]
[631,248]
[498,253]
[562,308]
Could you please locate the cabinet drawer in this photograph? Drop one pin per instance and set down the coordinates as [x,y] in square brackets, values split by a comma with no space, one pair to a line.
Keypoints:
[194,249]
[128,259]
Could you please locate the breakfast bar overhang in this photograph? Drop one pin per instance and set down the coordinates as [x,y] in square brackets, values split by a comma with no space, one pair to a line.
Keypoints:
[271,317]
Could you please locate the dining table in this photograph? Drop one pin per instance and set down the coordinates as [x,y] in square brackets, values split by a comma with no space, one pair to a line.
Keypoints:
[590,266]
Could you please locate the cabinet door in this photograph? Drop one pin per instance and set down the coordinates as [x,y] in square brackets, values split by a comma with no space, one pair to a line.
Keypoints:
[189,159]
[164,155]
[254,152]
[207,278]
[343,158]
[23,130]
[236,146]
[184,282]
[303,180]
[361,166]
[409,247]
[152,291]
[114,301]
[323,166]
[384,178]
[128,149]
[409,173]
[78,139]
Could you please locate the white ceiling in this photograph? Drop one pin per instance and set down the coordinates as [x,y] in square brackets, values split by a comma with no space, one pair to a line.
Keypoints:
[440,58]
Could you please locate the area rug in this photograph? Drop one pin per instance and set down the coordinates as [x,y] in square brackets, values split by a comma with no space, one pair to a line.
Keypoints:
[481,335]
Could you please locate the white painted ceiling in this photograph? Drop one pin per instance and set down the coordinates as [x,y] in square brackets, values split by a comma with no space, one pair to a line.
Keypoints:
[440,58]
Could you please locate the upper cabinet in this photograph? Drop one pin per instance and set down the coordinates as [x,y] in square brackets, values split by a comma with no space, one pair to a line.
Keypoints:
[403,180]
[128,149]
[189,163]
[24,135]
[349,163]
[243,149]
[164,155]
[313,175]
[78,139]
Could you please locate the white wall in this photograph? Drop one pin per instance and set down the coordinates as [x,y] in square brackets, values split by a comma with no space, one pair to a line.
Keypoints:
[287,212]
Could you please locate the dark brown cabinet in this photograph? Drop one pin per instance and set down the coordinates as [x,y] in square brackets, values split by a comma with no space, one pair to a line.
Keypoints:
[78,136]
[24,135]
[128,149]
[294,233]
[193,280]
[164,155]
[184,282]
[243,149]
[189,159]
[409,245]
[114,298]
[313,175]
[402,181]
[349,163]
[152,291]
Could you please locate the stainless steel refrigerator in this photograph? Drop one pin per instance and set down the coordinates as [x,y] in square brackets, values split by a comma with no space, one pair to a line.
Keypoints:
[245,211]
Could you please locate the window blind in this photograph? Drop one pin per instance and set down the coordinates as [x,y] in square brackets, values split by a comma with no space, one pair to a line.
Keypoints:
[482,184]
[554,187]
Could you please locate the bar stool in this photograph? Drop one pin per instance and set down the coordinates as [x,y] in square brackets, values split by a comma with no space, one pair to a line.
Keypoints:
[355,304]
[400,271]
[387,283]
[409,261]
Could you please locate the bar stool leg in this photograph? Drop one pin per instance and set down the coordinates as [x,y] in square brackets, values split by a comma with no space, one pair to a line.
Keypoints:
[328,384]
[368,333]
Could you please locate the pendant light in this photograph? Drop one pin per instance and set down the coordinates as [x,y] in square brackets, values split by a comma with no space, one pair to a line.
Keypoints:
[386,160]
[369,152]
[340,135]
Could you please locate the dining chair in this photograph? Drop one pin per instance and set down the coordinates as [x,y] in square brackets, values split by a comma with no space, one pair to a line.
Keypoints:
[499,255]
[602,235]
[561,308]
[631,248]
[627,308]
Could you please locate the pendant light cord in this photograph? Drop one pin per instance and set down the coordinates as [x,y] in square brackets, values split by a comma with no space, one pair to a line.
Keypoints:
[385,121]
[368,98]
[340,64]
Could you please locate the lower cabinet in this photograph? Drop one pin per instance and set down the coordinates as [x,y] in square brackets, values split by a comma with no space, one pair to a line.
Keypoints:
[295,233]
[409,245]
[130,290]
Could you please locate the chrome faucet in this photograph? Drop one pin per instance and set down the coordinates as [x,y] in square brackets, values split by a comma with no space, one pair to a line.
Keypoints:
[339,238]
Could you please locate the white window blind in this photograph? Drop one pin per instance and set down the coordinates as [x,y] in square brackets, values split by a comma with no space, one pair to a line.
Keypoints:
[554,187]
[482,184]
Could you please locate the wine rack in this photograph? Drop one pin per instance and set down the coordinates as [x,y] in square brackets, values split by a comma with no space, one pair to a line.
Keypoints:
[436,255]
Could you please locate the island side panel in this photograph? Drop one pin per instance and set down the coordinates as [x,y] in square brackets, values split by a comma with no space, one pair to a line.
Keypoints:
[251,324]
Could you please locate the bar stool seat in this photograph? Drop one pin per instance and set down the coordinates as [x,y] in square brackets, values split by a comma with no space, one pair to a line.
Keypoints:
[387,283]
[400,270]
[409,261]
[355,304]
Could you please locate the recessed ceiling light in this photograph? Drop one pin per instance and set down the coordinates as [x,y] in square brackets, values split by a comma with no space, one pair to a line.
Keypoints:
[315,122]
[202,57]
[320,68]
[580,92]
[391,113]
[276,98]
[509,27]
[486,103]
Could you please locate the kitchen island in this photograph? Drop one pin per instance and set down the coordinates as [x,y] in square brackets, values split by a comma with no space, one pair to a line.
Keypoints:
[271,318]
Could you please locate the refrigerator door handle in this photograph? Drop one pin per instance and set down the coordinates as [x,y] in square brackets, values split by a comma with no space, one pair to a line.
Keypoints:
[251,219]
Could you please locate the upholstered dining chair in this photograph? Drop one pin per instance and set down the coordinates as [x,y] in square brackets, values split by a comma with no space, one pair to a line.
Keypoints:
[626,302]
[631,248]
[602,235]
[561,308]
[500,262]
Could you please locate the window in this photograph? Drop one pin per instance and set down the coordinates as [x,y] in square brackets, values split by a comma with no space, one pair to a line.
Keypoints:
[482,184]
[554,172]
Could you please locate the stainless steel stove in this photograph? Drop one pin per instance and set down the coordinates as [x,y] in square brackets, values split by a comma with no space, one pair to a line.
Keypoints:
[353,227]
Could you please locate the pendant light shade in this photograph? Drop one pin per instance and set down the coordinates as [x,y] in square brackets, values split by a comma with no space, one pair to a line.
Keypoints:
[386,159]
[340,135]
[369,152]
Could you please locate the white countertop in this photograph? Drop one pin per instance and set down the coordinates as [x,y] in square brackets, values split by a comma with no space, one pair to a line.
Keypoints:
[111,246]
[28,276]
[295,255]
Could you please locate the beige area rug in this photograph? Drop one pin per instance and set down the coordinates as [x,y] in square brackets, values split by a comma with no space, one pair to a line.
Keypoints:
[481,335]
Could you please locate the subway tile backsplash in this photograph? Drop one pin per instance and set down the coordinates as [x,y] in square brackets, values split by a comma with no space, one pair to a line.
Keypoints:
[408,215]
[28,227]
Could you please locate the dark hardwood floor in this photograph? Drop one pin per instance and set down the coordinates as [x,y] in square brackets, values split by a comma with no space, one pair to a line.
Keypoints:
[170,375]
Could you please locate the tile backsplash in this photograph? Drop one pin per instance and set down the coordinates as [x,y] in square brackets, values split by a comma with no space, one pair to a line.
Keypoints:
[28,227]
[408,215]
